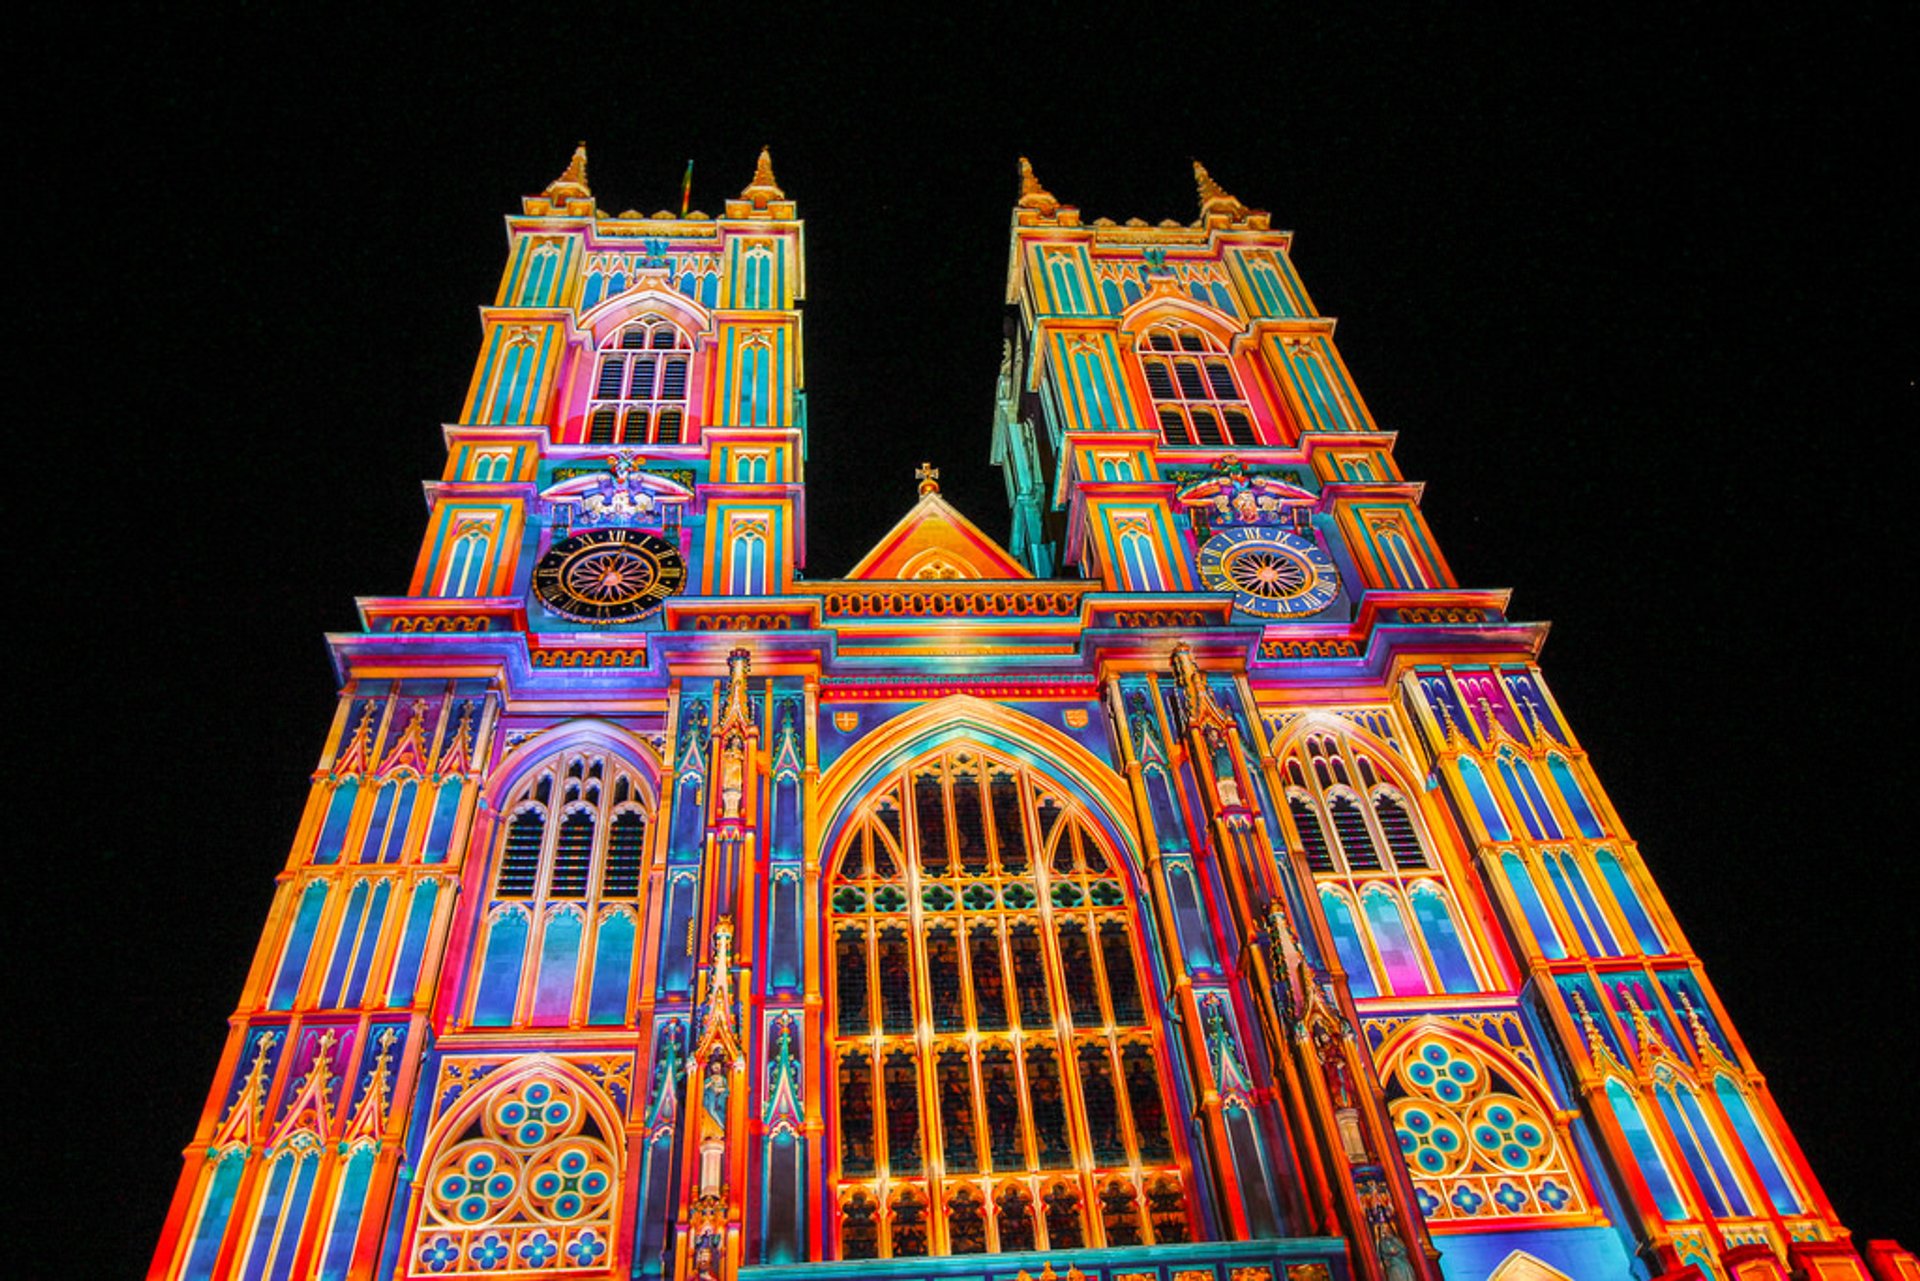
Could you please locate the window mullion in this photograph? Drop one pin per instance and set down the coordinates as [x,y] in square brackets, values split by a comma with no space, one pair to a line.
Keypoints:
[1330,831]
[1066,1062]
[537,903]
[932,1134]
[1370,815]
[584,955]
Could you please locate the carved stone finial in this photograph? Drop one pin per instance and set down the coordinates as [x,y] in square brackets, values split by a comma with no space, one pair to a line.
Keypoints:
[1703,1041]
[1597,1047]
[1032,194]
[571,185]
[739,663]
[323,1053]
[762,199]
[763,189]
[929,477]
[1215,199]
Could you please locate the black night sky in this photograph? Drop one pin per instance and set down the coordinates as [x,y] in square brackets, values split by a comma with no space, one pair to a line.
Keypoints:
[1633,294]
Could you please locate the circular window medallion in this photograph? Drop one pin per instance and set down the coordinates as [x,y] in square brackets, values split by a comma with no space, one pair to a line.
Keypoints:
[1271,573]
[608,575]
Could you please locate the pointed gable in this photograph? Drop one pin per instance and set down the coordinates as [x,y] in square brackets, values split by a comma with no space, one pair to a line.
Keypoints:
[935,541]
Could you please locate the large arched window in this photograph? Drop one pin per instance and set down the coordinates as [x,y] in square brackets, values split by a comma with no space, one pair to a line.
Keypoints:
[640,386]
[997,1067]
[1359,832]
[1197,400]
[559,925]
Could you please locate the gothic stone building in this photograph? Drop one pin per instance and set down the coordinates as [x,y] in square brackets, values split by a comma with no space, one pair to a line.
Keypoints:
[1200,885]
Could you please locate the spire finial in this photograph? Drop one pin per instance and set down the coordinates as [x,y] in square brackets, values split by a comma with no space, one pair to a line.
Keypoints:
[1215,199]
[1032,194]
[572,184]
[763,188]
[929,477]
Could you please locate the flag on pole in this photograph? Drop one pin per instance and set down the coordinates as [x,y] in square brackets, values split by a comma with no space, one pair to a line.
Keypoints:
[686,190]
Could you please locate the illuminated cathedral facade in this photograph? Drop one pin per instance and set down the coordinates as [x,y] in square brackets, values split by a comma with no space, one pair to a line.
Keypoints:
[1199,885]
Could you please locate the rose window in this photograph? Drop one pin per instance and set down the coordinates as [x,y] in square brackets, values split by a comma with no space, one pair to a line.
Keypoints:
[531,1178]
[1268,572]
[1476,1143]
[611,576]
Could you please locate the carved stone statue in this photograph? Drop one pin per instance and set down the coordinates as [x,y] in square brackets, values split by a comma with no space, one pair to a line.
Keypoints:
[1393,1256]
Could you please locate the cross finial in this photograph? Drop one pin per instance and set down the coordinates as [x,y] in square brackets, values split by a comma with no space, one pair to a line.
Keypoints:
[929,477]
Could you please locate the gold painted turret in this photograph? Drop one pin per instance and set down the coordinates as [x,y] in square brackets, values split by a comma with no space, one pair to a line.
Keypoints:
[568,195]
[762,198]
[1220,207]
[1032,194]
[1038,205]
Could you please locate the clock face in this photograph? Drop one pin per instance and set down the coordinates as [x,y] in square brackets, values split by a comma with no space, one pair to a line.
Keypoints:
[1271,573]
[608,575]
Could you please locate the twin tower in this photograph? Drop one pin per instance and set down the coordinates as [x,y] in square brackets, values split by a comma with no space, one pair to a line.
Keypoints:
[1198,885]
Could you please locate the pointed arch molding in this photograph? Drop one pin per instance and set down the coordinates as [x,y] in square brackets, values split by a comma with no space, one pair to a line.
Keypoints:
[1157,307]
[585,732]
[606,318]
[456,1115]
[570,1207]
[962,717]
[1340,727]
[1502,1057]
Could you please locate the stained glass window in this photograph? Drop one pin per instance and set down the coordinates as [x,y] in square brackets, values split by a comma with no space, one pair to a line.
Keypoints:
[1000,1084]
[529,1165]
[1479,1136]
[1196,398]
[639,392]
[1365,845]
[573,843]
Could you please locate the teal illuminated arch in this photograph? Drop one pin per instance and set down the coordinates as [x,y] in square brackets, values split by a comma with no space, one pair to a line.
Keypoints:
[1395,776]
